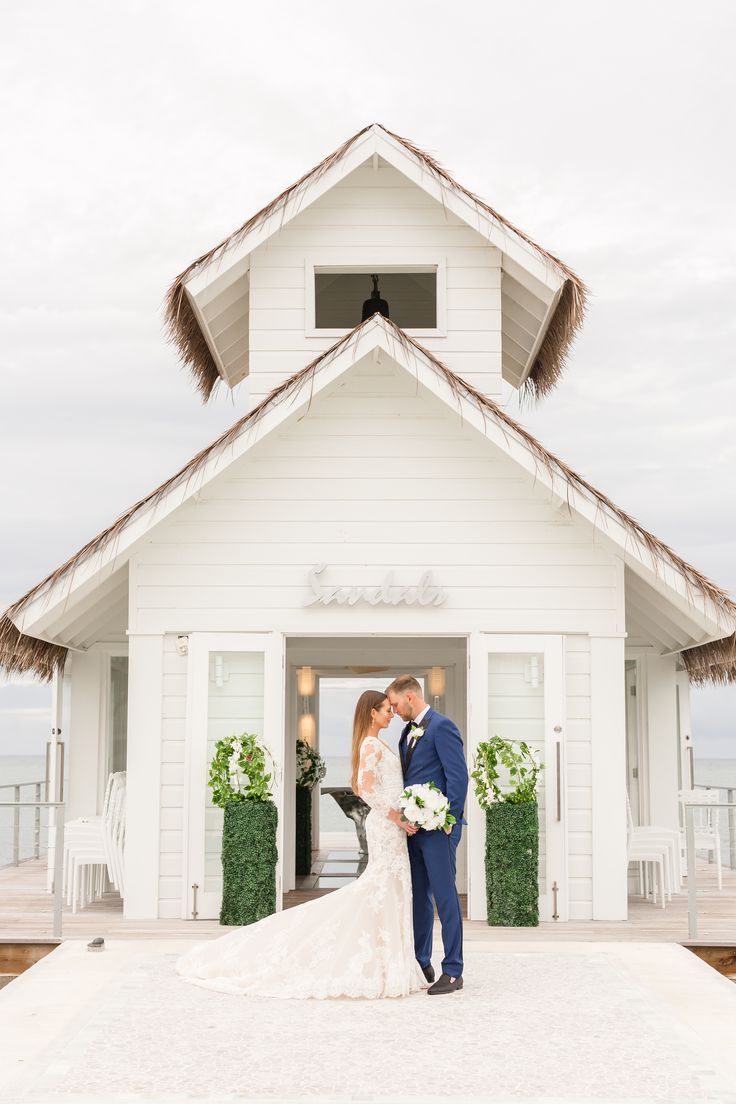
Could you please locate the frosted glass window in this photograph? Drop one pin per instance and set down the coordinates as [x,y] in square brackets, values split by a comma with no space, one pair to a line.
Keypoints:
[234,705]
[516,712]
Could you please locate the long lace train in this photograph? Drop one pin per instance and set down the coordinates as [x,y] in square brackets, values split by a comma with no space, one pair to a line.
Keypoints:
[355,942]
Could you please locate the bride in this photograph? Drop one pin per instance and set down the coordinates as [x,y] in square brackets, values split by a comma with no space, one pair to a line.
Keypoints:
[354,942]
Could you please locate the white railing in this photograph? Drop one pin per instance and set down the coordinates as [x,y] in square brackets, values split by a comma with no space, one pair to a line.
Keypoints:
[692,889]
[16,787]
[58,849]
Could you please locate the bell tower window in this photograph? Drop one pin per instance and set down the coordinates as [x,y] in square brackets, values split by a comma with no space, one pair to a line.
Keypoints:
[407,295]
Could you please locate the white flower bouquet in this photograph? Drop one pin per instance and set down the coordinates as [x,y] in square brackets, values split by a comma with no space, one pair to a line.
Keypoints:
[310,766]
[426,806]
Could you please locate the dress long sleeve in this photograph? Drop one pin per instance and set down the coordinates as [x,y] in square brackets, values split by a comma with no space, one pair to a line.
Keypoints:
[369,781]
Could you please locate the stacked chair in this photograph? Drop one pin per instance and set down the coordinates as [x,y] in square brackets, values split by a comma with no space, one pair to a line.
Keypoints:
[657,849]
[93,849]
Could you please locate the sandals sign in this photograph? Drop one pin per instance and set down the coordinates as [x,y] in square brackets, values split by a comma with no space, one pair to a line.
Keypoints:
[387,593]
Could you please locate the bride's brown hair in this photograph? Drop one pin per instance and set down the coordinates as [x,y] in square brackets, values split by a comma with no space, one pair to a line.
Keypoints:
[368,700]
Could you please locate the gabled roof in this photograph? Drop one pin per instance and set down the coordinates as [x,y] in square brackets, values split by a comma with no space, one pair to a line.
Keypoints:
[103,556]
[532,277]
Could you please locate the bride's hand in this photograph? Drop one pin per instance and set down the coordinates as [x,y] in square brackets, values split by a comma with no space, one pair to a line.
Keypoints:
[408,827]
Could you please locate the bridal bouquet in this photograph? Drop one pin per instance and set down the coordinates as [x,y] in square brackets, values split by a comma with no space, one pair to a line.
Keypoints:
[426,806]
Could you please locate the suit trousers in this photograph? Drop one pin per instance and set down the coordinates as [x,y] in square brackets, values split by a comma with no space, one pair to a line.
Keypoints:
[432,861]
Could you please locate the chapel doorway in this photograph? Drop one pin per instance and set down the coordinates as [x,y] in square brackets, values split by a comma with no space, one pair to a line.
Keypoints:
[336,672]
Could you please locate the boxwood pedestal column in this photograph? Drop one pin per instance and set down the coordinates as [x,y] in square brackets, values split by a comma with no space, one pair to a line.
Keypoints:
[512,864]
[303,846]
[249,857]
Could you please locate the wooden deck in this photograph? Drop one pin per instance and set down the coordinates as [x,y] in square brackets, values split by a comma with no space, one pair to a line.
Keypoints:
[26,912]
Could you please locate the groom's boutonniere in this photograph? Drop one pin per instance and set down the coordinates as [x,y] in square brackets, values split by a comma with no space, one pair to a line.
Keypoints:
[415,732]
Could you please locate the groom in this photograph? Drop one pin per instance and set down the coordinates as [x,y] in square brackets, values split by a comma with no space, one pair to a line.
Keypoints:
[431,750]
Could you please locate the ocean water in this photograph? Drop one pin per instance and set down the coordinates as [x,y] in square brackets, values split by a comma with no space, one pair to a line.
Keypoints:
[14,769]
[331,816]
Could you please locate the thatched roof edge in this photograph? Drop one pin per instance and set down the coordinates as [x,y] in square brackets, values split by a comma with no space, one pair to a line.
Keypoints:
[709,662]
[20,654]
[712,663]
[183,330]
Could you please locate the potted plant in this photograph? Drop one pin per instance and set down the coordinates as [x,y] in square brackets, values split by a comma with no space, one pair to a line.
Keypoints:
[505,775]
[310,770]
[241,786]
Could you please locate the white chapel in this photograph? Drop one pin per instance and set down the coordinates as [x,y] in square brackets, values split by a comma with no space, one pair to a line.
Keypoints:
[373,509]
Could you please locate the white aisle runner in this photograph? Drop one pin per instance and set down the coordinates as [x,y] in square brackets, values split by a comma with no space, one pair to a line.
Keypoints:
[552,1024]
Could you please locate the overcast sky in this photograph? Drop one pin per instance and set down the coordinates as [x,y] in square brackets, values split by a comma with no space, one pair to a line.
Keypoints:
[136,135]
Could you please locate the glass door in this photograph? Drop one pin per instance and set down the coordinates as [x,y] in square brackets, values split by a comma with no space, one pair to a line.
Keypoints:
[234,686]
[517,692]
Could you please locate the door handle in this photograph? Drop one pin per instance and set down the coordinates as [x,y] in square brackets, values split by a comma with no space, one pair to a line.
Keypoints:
[558,752]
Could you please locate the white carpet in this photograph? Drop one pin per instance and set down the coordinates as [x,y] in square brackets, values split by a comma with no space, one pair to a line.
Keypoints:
[533,1026]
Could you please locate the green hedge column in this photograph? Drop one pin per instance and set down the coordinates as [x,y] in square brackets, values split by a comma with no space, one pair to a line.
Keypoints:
[249,857]
[303,850]
[512,864]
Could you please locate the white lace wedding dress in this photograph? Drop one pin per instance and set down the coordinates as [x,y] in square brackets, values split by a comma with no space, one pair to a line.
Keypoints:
[355,942]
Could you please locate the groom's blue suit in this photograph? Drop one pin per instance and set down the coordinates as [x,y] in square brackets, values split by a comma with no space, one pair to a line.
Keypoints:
[437,756]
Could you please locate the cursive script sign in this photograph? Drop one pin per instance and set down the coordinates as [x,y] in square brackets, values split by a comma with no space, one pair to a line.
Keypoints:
[387,593]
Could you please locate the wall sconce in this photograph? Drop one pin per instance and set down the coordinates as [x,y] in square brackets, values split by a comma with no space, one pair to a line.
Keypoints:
[307,729]
[532,673]
[436,685]
[306,684]
[305,681]
[222,671]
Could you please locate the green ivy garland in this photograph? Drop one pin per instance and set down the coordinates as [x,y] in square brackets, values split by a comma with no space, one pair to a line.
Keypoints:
[522,769]
[238,770]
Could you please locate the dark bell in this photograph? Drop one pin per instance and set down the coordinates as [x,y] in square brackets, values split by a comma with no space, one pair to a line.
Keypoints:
[375,305]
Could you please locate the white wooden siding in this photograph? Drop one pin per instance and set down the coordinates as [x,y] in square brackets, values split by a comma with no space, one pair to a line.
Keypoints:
[173,736]
[579,782]
[344,486]
[372,211]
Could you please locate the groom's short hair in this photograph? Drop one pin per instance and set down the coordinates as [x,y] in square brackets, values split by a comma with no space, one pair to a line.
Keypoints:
[402,684]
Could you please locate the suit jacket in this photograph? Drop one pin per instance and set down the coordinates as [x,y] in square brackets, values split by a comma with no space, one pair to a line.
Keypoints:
[438,757]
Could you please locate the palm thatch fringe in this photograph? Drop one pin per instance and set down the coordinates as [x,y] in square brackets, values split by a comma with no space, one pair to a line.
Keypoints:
[18,652]
[184,333]
[712,663]
[21,654]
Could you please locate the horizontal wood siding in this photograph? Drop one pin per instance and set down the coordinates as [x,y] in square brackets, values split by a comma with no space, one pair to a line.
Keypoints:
[173,734]
[374,478]
[579,781]
[382,213]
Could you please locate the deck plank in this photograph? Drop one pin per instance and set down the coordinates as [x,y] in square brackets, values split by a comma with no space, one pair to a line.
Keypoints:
[26,911]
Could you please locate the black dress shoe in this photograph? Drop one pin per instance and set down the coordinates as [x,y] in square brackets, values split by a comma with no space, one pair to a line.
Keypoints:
[428,972]
[446,984]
